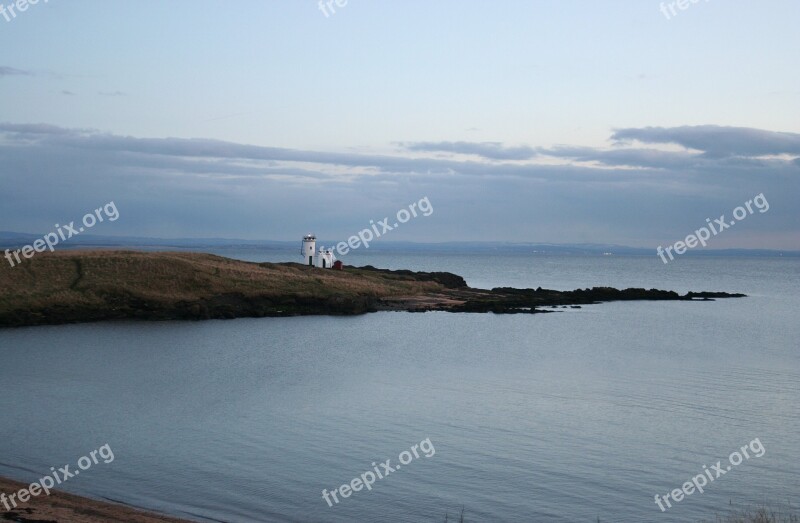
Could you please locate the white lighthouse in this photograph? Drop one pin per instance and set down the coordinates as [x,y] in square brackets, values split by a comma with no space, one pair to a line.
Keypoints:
[309,249]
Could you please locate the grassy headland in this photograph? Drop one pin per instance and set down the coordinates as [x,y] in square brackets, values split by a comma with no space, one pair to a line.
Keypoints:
[81,286]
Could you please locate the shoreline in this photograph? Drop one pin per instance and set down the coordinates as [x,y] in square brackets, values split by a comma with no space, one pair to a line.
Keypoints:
[61,507]
[91,286]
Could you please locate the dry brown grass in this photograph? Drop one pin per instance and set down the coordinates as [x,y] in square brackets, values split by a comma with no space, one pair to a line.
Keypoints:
[84,277]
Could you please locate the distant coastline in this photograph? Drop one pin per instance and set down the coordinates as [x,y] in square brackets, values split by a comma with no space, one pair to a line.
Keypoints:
[94,285]
[15,240]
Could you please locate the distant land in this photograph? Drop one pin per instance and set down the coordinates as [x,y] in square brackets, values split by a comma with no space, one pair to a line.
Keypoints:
[15,240]
[77,286]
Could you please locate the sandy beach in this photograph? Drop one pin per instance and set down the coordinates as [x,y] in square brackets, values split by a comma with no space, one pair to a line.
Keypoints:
[60,507]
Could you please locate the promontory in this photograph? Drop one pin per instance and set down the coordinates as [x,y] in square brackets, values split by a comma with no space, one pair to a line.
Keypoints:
[98,285]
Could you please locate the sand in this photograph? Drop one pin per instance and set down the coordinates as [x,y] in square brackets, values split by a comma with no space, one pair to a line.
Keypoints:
[67,508]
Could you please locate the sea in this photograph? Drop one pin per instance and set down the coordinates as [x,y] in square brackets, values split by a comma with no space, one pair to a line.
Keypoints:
[579,415]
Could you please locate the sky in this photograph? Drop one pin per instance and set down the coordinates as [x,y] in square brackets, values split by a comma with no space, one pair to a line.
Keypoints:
[620,121]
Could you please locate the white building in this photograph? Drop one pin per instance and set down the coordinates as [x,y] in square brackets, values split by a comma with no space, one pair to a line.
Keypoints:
[324,258]
[309,249]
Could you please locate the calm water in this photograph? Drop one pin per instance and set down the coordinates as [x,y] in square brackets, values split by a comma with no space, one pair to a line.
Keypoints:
[560,417]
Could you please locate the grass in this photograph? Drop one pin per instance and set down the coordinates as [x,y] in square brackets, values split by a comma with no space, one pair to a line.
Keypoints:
[82,286]
[86,278]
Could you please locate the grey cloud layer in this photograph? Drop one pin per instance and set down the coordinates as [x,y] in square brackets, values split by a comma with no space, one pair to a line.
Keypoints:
[202,187]
[718,147]
[489,150]
[717,141]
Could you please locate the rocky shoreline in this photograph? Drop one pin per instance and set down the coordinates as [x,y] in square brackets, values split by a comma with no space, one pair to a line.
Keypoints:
[458,297]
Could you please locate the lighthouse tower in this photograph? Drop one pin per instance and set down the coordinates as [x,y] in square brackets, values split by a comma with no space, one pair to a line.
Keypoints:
[309,249]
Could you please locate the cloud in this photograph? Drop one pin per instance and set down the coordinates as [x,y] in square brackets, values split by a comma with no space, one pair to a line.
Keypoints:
[198,148]
[11,71]
[39,129]
[67,93]
[488,150]
[645,158]
[716,141]
[577,161]
[112,93]
[200,187]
